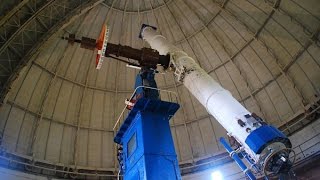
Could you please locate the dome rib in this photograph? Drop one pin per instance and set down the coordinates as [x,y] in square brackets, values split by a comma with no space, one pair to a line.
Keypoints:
[61,111]
[137,10]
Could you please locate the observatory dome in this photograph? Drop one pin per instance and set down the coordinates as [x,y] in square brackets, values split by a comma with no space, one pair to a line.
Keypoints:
[58,113]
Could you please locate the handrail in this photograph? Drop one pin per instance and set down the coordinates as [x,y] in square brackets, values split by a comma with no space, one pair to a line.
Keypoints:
[132,96]
[10,157]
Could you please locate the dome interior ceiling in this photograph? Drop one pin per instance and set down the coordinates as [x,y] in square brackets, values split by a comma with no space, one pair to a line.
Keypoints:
[60,109]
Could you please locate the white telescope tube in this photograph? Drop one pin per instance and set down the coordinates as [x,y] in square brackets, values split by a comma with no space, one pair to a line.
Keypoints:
[218,101]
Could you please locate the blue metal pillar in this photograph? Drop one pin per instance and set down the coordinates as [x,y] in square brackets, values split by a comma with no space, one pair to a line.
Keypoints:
[148,148]
[237,159]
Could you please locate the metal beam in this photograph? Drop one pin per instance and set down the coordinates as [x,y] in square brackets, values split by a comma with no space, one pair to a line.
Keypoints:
[69,18]
[13,12]
[275,6]
[38,115]
[26,163]
[204,25]
[139,11]
[42,108]
[79,113]
[8,41]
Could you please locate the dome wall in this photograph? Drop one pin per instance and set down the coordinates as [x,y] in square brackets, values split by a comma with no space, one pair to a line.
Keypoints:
[62,110]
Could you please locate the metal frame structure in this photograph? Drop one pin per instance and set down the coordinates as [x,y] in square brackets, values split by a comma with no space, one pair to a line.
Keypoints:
[26,27]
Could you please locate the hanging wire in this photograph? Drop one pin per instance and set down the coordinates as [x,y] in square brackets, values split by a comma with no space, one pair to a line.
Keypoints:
[108,14]
[122,21]
[140,21]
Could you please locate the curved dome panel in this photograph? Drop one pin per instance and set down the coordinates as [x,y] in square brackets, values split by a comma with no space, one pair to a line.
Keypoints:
[61,110]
